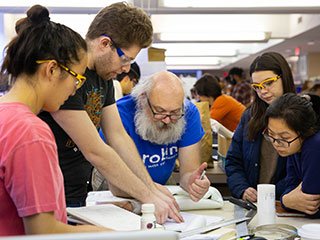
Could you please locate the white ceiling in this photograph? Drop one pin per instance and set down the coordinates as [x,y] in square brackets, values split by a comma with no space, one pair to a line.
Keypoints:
[285,28]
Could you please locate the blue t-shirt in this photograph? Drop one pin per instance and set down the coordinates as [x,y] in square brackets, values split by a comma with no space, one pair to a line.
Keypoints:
[160,159]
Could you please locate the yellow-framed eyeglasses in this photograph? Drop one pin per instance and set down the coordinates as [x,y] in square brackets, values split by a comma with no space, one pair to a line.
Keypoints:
[265,84]
[80,79]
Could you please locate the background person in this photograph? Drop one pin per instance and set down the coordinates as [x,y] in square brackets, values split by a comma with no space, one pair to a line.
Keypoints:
[241,90]
[31,184]
[115,37]
[251,159]
[130,79]
[165,127]
[293,132]
[126,81]
[225,109]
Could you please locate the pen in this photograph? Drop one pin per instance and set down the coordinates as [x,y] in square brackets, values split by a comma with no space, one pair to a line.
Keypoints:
[203,173]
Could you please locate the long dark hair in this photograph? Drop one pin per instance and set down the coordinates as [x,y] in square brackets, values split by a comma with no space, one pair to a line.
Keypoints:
[269,61]
[297,112]
[38,38]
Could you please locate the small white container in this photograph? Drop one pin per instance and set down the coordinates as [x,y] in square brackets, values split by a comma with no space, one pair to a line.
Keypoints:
[309,232]
[266,204]
[148,220]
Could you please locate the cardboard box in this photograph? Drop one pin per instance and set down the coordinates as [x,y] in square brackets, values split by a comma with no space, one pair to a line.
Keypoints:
[223,146]
[156,54]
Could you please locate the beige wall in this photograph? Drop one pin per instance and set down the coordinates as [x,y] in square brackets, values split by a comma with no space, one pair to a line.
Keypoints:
[313,64]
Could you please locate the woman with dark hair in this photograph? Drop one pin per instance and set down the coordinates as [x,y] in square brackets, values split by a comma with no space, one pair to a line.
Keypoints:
[225,109]
[251,159]
[39,61]
[293,131]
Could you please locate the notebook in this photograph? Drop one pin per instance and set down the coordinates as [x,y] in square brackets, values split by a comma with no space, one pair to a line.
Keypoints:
[281,212]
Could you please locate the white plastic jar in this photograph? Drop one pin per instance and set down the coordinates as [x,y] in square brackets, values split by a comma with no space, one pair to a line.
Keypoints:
[148,220]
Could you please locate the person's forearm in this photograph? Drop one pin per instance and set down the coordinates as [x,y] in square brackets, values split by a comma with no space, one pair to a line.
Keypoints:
[46,223]
[117,173]
[184,180]
[127,150]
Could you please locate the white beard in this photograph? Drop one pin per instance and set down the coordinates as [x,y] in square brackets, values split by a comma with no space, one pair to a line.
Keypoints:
[157,132]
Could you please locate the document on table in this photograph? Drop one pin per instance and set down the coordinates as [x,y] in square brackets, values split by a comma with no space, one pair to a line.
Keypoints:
[191,221]
[107,215]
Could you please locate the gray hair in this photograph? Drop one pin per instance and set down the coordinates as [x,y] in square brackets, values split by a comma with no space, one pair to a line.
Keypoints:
[143,86]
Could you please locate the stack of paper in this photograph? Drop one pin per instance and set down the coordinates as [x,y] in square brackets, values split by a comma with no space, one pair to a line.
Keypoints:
[107,215]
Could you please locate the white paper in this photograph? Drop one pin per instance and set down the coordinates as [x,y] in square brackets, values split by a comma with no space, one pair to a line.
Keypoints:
[107,215]
[99,197]
[188,218]
[203,237]
[211,200]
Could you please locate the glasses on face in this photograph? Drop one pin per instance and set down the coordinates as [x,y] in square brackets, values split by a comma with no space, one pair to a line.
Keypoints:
[265,84]
[280,142]
[160,116]
[124,59]
[80,79]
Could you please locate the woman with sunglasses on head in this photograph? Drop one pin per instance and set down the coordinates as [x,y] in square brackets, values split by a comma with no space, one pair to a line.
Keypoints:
[251,159]
[293,131]
[39,61]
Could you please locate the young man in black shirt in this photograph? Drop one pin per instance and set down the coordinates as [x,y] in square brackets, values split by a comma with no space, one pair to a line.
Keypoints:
[114,39]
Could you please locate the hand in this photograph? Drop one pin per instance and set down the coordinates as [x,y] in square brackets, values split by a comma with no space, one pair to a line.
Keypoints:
[197,187]
[165,191]
[165,207]
[307,203]
[250,194]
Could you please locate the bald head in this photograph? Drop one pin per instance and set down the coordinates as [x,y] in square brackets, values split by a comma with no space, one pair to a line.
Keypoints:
[166,85]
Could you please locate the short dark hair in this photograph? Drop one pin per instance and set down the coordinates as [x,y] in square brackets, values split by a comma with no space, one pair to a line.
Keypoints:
[208,86]
[296,111]
[40,39]
[125,24]
[269,61]
[236,71]
[134,72]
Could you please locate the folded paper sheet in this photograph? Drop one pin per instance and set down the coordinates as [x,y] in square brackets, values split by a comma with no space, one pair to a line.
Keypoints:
[191,221]
[212,199]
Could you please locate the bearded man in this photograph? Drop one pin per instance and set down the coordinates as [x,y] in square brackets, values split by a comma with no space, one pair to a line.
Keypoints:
[165,126]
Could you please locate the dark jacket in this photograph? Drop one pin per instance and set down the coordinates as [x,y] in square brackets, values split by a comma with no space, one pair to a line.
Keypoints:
[243,162]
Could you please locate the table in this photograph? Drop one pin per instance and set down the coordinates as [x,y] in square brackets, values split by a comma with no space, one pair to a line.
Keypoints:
[227,212]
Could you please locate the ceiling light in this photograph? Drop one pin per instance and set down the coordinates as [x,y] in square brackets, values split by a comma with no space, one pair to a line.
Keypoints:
[237,3]
[193,67]
[214,36]
[60,3]
[196,49]
[192,61]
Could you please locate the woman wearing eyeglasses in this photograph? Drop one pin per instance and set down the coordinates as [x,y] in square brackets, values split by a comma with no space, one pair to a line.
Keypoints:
[39,61]
[293,131]
[251,159]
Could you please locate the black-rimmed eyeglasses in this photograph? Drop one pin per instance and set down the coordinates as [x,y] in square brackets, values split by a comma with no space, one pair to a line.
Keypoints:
[280,142]
[161,116]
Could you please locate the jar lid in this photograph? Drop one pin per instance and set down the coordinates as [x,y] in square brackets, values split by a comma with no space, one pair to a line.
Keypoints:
[147,207]
[311,231]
